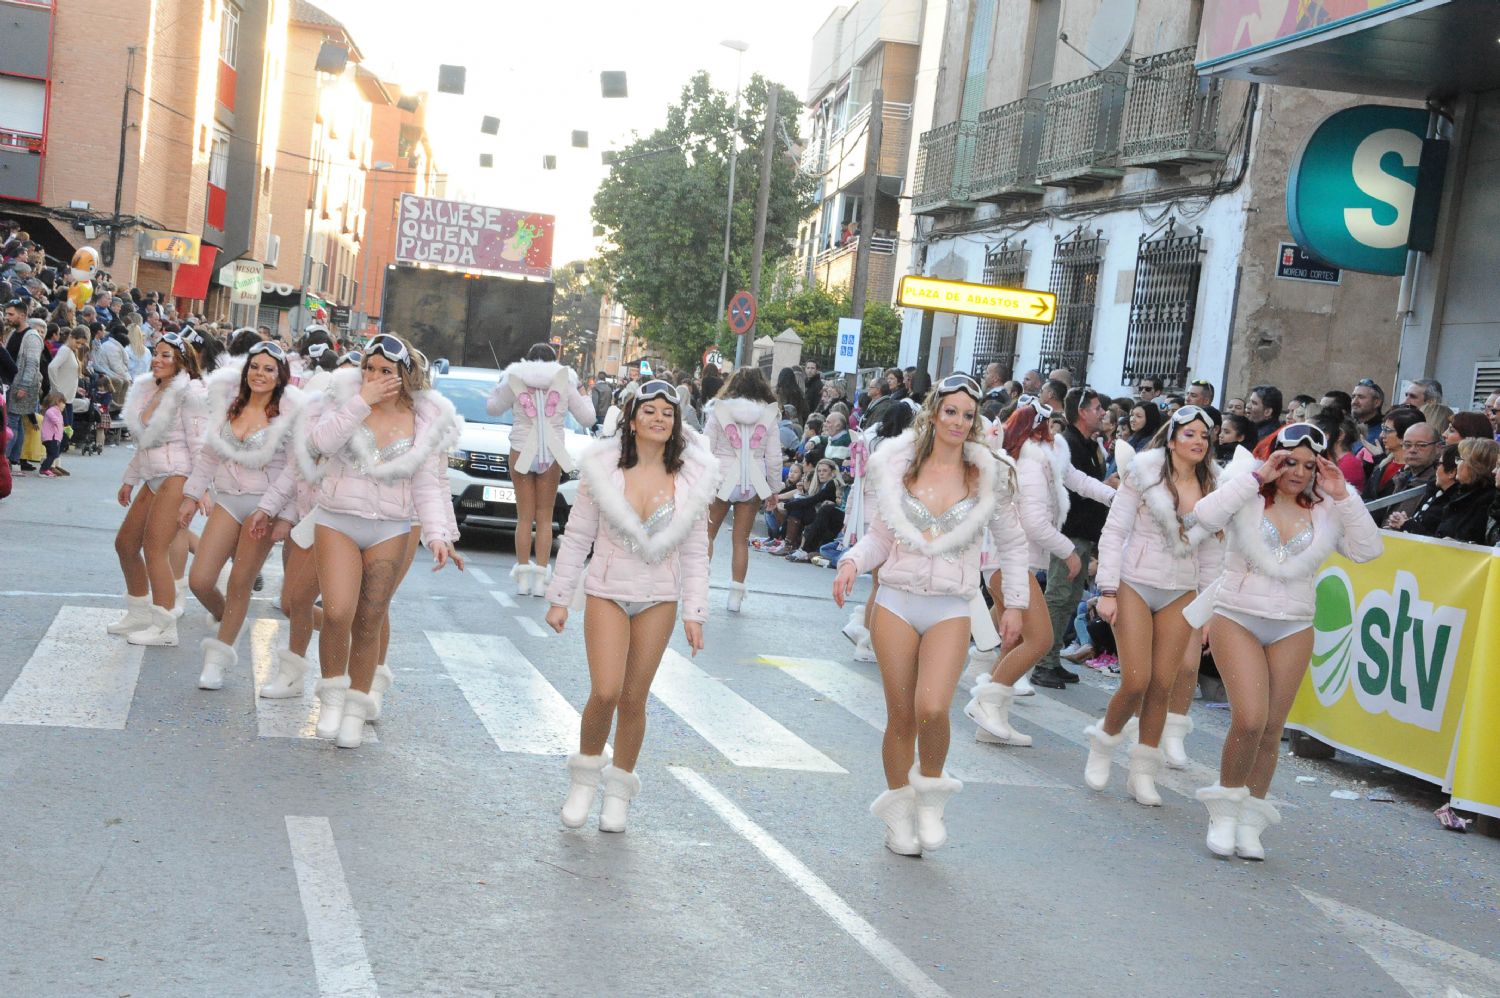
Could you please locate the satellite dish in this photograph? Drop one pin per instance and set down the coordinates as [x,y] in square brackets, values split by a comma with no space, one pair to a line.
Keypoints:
[1110,32]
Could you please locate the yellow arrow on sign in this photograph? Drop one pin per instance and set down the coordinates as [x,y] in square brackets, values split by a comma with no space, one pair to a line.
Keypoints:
[984,300]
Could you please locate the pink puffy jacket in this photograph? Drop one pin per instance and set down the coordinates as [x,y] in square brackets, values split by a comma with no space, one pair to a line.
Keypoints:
[671,565]
[227,465]
[542,392]
[947,565]
[1047,475]
[746,439]
[1151,549]
[166,443]
[412,486]
[1254,581]
[291,496]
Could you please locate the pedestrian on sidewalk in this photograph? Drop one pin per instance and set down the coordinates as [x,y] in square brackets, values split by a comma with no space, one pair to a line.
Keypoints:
[52,433]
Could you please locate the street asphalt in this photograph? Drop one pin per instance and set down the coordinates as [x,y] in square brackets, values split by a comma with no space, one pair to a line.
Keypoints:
[160,840]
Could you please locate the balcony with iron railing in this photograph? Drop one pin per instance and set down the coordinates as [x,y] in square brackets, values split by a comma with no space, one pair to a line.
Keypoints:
[945,157]
[1081,131]
[1005,151]
[1172,115]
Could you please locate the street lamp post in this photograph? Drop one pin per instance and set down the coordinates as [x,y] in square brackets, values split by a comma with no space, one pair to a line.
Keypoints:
[739,47]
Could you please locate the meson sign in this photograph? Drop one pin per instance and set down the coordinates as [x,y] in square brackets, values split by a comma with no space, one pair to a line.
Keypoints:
[474,237]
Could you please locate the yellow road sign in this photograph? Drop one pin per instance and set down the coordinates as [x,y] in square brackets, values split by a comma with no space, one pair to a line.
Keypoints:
[984,300]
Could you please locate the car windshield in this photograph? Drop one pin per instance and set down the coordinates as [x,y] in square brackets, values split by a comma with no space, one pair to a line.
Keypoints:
[468,396]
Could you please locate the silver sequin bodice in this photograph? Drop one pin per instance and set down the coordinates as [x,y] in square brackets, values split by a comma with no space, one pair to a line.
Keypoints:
[249,443]
[1281,552]
[650,526]
[384,455]
[921,517]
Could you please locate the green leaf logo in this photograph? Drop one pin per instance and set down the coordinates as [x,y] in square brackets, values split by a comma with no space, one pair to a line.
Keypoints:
[1333,636]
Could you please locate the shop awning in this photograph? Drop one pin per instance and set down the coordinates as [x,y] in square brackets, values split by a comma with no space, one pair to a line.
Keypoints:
[193,279]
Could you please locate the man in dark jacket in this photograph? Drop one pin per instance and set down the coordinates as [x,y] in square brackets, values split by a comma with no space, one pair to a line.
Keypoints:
[1066,576]
[812,386]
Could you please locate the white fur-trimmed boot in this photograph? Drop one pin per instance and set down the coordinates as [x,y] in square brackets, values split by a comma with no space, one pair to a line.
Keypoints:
[179,604]
[1101,755]
[541,578]
[1132,731]
[854,629]
[898,809]
[217,656]
[620,788]
[331,694]
[378,687]
[864,651]
[1178,727]
[990,709]
[979,666]
[932,796]
[287,683]
[1256,815]
[161,634]
[357,708]
[1224,806]
[521,573]
[585,773]
[736,596]
[1023,686]
[1145,763]
[137,616]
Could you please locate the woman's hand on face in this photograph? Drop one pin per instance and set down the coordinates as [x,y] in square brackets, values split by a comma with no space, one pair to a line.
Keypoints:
[1331,480]
[380,389]
[693,631]
[557,617]
[1107,608]
[843,582]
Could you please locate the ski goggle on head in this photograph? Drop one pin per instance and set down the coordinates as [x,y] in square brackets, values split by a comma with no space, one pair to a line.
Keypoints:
[173,340]
[270,347]
[352,359]
[317,350]
[390,348]
[657,389]
[1186,414]
[960,383]
[1298,434]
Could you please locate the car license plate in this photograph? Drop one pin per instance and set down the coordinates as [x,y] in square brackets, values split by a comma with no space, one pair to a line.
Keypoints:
[496,493]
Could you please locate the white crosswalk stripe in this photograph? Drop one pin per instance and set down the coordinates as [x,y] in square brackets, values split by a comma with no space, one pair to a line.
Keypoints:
[78,676]
[480,575]
[532,628]
[333,931]
[864,699]
[515,703]
[504,599]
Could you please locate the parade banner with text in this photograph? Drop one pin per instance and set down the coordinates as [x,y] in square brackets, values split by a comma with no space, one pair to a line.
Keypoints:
[1398,651]
[474,237]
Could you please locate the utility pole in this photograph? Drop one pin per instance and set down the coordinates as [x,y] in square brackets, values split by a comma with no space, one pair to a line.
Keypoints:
[867,202]
[114,222]
[762,207]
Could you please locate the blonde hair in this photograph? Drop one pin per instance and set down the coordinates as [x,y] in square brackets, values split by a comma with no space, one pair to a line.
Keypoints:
[1480,455]
[137,338]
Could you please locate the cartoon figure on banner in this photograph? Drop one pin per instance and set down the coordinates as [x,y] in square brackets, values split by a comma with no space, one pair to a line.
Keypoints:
[81,276]
[531,233]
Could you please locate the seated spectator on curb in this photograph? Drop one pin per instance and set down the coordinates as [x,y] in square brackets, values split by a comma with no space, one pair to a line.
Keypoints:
[1419,451]
[836,432]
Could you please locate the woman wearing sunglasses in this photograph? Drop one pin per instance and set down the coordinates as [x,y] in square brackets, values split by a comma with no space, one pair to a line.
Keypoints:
[251,409]
[643,507]
[1046,476]
[743,432]
[1153,560]
[542,392]
[164,413]
[937,489]
[383,440]
[1282,521]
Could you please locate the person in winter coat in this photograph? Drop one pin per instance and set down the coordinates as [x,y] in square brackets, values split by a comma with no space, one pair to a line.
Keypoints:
[790,429]
[67,364]
[643,507]
[25,395]
[1282,521]
[1045,476]
[251,410]
[1153,560]
[543,393]
[1425,518]
[1466,516]
[742,431]
[938,489]
[164,413]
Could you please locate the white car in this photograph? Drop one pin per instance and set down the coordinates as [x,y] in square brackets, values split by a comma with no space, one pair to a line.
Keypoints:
[478,466]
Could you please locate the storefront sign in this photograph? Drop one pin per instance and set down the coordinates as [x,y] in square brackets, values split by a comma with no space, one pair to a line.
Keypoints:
[162,246]
[243,279]
[1294,263]
[846,349]
[1403,672]
[474,237]
[1232,28]
[1349,199]
[983,300]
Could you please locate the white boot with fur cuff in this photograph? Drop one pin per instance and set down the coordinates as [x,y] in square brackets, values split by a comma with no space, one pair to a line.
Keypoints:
[1224,806]
[932,796]
[137,616]
[620,789]
[378,686]
[357,708]
[736,596]
[1256,815]
[161,634]
[287,683]
[898,809]
[331,694]
[521,573]
[217,656]
[585,773]
[989,708]
[979,665]
[1145,763]
[1101,755]
[1178,727]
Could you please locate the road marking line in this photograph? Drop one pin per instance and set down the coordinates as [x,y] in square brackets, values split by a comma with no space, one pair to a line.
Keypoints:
[517,706]
[532,628]
[504,599]
[817,890]
[78,676]
[744,733]
[35,592]
[294,717]
[338,945]
[862,697]
[480,575]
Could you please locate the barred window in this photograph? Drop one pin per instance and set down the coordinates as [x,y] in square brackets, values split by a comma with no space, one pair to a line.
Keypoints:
[995,340]
[1162,308]
[1075,281]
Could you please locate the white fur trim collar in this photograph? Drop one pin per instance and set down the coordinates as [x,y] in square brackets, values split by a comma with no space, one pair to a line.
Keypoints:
[1056,459]
[537,373]
[437,429]
[743,410]
[1145,474]
[142,391]
[888,468]
[222,388]
[693,491]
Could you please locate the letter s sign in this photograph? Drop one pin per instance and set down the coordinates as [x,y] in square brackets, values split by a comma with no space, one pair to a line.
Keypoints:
[1350,194]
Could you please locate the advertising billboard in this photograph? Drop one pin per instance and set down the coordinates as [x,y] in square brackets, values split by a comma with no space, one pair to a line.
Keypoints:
[1235,27]
[474,237]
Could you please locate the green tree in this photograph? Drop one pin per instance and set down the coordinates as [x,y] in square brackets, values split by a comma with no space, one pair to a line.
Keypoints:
[662,213]
[576,300]
[814,313]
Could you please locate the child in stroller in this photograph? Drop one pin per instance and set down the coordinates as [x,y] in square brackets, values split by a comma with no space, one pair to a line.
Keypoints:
[91,417]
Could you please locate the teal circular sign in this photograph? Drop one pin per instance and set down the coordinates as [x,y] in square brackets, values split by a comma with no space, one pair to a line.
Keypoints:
[1349,197]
